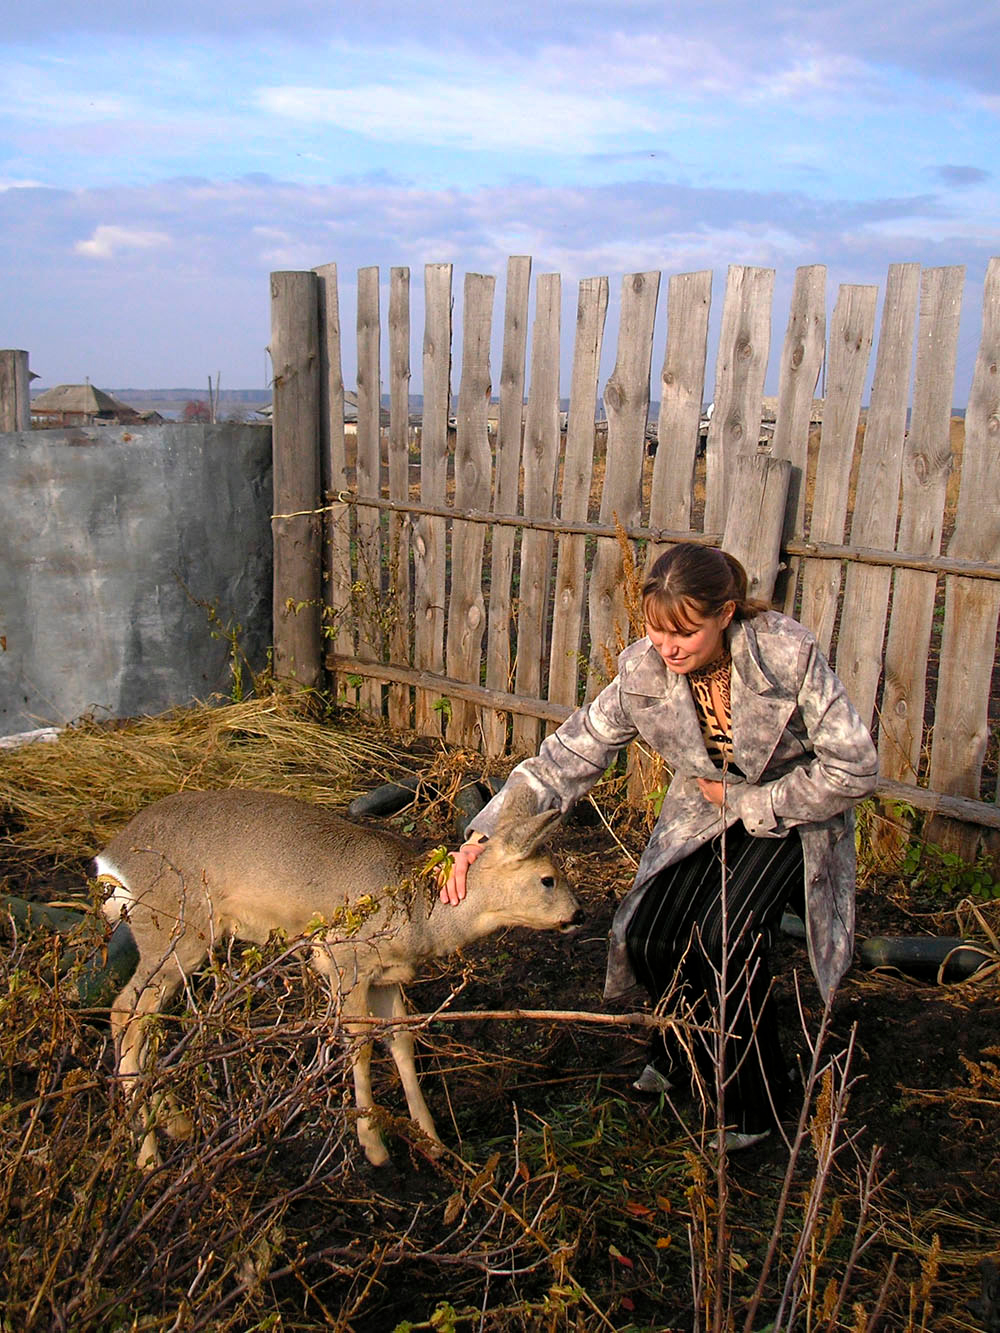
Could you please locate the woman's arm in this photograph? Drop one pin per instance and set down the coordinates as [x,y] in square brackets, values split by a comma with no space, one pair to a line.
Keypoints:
[572,759]
[568,764]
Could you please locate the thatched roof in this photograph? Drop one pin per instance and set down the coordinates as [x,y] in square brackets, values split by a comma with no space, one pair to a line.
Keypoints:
[82,398]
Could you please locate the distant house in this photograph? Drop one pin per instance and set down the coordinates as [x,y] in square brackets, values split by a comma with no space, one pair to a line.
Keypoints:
[80,405]
[350,413]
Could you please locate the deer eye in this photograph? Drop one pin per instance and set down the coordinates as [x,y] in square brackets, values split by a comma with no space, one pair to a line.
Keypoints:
[548,882]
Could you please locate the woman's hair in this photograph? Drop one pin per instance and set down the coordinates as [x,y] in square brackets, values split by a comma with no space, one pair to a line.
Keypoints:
[690,581]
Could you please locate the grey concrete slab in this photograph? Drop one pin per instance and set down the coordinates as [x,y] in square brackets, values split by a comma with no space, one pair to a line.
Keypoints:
[114,541]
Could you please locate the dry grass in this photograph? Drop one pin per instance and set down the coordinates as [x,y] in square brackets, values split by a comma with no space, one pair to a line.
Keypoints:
[68,797]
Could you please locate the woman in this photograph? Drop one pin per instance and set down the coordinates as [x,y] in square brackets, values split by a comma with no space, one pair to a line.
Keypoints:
[768,757]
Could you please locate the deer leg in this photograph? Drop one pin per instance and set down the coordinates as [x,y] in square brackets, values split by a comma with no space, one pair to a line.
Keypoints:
[136,1004]
[387,1002]
[357,1002]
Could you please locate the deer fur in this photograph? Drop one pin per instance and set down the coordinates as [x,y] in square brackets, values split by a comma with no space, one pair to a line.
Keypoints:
[198,867]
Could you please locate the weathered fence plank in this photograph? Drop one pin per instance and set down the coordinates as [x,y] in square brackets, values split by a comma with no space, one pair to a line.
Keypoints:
[473,486]
[876,505]
[429,554]
[741,365]
[578,471]
[682,389]
[369,602]
[851,335]
[337,619]
[15,398]
[755,519]
[506,487]
[399,487]
[626,401]
[540,460]
[801,363]
[927,464]
[972,607]
[296,524]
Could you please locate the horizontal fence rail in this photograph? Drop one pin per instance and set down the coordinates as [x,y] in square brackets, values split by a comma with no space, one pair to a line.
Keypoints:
[471,570]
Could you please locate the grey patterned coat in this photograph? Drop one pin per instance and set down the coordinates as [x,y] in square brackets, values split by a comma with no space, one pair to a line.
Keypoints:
[805,755]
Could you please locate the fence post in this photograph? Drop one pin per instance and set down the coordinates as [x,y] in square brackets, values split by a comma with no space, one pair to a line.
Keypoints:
[506,484]
[399,485]
[756,519]
[927,464]
[570,596]
[430,544]
[851,335]
[626,401]
[541,462]
[801,362]
[972,606]
[296,524]
[15,405]
[744,343]
[876,503]
[337,621]
[473,486]
[682,388]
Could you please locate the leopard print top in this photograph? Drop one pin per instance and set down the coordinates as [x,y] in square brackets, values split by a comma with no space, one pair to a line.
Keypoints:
[714,708]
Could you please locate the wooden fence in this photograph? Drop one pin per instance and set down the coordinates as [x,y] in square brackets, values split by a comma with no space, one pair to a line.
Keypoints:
[486,568]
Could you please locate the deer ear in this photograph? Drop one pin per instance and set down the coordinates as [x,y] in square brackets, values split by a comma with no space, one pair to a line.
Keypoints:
[523,835]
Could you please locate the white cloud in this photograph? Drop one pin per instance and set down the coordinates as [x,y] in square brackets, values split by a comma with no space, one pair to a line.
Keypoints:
[504,117]
[44,94]
[809,76]
[109,240]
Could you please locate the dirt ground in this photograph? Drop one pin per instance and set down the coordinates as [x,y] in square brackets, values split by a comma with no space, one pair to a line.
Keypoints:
[926,1087]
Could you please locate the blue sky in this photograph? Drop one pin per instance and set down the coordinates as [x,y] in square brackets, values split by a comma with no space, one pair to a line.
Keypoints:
[157,161]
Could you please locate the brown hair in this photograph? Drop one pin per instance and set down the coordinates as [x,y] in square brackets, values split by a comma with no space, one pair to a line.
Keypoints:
[690,580]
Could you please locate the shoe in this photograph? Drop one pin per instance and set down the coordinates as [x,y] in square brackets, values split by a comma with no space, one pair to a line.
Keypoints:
[737,1139]
[651,1080]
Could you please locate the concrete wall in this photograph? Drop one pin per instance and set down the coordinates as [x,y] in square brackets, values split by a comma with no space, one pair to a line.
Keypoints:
[109,538]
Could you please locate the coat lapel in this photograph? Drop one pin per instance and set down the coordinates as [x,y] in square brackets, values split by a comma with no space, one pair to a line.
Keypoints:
[664,713]
[760,709]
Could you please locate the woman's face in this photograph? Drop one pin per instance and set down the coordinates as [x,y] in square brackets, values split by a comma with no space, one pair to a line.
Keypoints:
[686,648]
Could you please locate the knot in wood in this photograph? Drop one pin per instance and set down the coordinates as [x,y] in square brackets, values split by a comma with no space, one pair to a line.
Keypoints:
[638,282]
[744,349]
[993,425]
[613,395]
[797,356]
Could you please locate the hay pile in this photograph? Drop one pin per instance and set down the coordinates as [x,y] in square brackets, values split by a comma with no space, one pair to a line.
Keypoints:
[67,797]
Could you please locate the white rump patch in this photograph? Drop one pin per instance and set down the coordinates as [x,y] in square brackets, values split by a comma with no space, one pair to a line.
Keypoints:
[116,905]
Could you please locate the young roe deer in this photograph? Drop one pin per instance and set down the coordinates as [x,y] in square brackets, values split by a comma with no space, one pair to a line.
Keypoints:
[198,867]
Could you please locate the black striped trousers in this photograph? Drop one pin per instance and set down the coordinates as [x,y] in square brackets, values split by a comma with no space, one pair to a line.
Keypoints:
[676,941]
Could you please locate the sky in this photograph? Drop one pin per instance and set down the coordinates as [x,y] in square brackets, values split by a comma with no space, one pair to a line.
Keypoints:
[158,161]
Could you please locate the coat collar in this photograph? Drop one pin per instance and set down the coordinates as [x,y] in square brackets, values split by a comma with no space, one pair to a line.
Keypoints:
[761,707]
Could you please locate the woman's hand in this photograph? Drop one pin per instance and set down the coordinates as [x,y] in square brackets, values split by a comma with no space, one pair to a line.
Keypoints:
[711,790]
[454,890]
